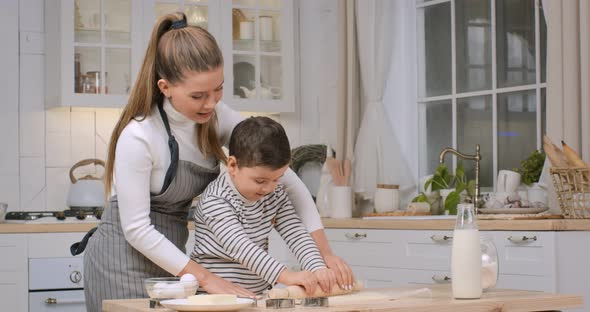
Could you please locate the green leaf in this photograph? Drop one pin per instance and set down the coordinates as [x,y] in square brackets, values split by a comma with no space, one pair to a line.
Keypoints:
[451,202]
[460,187]
[531,167]
[427,184]
[439,183]
[421,198]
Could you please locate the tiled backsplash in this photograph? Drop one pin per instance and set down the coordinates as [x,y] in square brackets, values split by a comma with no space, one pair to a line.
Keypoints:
[71,134]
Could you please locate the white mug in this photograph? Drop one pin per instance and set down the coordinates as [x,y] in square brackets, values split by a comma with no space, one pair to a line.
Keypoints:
[508,181]
[340,201]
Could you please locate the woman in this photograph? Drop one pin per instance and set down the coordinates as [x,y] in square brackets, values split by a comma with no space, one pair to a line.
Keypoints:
[163,152]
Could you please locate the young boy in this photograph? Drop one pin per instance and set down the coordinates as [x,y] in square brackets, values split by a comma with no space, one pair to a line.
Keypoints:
[236,212]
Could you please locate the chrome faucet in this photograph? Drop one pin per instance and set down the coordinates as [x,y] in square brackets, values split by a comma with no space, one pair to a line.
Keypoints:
[476,158]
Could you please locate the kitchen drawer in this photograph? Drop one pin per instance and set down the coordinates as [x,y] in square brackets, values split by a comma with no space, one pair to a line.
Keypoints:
[13,249]
[525,282]
[373,277]
[53,245]
[404,277]
[526,253]
[368,248]
[422,250]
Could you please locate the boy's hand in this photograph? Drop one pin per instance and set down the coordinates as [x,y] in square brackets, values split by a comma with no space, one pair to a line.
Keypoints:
[326,279]
[305,279]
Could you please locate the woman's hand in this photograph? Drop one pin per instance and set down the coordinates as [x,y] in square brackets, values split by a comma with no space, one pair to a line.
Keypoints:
[326,279]
[343,273]
[214,284]
[304,279]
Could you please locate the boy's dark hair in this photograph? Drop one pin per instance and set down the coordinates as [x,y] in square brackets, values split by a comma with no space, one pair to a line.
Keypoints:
[260,141]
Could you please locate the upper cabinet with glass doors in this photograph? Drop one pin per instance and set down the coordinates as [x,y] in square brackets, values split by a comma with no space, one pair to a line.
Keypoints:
[257,41]
[94,51]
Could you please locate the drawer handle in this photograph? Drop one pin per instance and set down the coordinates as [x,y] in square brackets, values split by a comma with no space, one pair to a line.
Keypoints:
[355,235]
[441,238]
[63,301]
[522,239]
[441,278]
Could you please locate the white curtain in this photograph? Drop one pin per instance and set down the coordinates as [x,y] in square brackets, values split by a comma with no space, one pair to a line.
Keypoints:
[568,73]
[568,79]
[378,156]
[347,114]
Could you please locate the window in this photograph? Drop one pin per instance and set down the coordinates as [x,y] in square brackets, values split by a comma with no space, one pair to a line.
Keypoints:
[481,80]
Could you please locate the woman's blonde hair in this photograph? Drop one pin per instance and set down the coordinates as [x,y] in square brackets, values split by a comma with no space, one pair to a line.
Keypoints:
[170,52]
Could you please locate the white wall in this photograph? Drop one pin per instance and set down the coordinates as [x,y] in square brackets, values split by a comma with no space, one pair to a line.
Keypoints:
[313,122]
[9,83]
[40,146]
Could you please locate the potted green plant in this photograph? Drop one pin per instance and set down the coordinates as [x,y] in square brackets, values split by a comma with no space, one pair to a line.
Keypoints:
[530,172]
[449,187]
[531,168]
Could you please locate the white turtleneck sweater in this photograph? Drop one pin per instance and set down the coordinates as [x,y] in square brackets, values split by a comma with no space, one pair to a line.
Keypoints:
[141,161]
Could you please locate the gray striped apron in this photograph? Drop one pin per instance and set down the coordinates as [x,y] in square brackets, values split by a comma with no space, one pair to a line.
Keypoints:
[113,268]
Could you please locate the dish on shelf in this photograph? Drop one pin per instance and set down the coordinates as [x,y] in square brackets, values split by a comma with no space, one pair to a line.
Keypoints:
[512,210]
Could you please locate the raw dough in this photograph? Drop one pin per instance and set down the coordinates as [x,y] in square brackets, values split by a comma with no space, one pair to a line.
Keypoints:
[212,299]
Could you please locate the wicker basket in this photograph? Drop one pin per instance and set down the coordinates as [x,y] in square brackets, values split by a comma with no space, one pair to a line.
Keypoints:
[572,186]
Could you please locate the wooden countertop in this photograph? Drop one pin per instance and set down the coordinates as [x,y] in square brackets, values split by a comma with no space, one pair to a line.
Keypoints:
[355,223]
[441,300]
[16,228]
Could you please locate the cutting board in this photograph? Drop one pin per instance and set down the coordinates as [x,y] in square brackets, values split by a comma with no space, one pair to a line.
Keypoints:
[367,296]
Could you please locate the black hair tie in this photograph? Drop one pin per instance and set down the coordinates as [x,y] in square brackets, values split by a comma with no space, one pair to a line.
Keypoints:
[179,23]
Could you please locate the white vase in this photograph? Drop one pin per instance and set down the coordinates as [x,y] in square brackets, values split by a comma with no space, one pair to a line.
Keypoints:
[537,193]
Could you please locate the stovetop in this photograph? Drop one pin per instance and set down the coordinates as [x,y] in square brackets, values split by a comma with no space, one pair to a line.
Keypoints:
[65,216]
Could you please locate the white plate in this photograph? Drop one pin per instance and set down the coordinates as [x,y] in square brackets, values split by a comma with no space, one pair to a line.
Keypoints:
[433,217]
[511,210]
[183,305]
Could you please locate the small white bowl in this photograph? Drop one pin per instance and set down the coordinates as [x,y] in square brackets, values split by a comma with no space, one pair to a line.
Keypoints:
[169,288]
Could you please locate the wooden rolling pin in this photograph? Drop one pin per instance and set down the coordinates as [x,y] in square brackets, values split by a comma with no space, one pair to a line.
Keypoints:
[298,292]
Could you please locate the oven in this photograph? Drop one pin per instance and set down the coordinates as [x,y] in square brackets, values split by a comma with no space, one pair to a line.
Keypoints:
[56,284]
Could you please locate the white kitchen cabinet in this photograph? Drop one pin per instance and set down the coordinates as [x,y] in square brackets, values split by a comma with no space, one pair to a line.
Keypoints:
[387,258]
[13,272]
[257,40]
[93,51]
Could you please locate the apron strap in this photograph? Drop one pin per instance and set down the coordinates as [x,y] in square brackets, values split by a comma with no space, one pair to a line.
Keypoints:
[173,145]
[78,248]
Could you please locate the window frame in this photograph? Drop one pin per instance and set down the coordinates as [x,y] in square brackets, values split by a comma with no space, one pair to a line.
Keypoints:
[538,86]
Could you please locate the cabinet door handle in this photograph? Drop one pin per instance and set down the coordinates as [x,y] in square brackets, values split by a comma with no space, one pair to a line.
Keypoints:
[441,238]
[441,278]
[355,235]
[522,239]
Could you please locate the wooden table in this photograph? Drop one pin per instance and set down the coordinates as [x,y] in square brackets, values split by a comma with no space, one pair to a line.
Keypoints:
[441,300]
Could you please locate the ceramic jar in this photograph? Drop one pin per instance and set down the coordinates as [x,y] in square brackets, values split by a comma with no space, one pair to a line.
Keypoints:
[386,198]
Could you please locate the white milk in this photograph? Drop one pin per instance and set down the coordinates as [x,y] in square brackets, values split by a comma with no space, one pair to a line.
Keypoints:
[489,274]
[466,264]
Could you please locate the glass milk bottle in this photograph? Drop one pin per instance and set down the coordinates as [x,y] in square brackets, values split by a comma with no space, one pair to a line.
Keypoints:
[466,255]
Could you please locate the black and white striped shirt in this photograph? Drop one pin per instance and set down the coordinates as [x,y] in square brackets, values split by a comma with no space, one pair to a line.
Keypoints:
[231,235]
